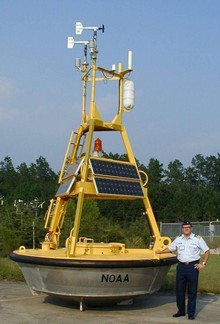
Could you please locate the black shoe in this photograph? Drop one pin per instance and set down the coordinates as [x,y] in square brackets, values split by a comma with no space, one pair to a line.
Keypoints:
[191,317]
[178,314]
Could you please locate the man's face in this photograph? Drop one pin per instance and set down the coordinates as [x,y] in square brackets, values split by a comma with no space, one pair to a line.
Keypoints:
[186,229]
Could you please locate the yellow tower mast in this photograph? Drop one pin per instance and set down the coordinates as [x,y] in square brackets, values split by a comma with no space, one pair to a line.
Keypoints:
[78,179]
[86,270]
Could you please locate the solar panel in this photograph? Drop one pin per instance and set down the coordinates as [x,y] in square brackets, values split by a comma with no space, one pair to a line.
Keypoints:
[69,177]
[73,169]
[118,187]
[114,168]
[65,187]
[116,178]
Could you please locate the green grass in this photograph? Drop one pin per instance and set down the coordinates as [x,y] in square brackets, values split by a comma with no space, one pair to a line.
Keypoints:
[9,270]
[208,277]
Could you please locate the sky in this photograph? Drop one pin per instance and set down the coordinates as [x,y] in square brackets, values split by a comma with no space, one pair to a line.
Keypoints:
[176,72]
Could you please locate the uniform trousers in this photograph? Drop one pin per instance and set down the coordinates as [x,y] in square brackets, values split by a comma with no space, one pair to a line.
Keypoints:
[186,280]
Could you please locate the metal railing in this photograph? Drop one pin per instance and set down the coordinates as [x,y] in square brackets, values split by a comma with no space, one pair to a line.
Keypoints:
[205,229]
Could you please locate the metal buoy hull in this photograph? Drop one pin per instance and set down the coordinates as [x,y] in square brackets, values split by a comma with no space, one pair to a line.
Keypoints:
[93,279]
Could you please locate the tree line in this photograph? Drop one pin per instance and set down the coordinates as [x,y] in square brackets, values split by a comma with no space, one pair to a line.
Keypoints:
[175,193]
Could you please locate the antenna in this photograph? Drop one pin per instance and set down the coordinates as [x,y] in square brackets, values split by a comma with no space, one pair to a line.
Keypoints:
[129,60]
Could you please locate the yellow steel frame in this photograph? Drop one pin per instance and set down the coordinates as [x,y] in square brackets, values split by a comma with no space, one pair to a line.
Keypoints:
[91,122]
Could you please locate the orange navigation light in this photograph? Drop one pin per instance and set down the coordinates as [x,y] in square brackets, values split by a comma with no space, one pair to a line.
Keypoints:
[98,145]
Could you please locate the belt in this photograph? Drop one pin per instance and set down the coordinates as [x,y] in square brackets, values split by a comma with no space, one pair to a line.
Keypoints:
[196,261]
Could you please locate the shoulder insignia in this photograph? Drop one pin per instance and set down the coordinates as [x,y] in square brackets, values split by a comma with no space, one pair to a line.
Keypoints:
[196,235]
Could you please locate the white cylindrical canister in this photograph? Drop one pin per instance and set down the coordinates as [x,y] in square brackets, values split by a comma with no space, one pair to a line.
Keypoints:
[128,94]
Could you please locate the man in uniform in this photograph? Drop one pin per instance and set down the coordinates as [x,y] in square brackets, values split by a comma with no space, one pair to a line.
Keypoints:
[189,248]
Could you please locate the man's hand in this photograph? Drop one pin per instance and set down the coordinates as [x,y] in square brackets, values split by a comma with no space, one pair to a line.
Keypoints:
[199,266]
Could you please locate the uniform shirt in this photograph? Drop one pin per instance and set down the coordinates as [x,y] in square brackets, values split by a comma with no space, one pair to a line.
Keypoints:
[190,249]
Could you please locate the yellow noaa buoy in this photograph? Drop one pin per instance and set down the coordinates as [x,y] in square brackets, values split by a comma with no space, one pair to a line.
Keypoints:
[83,269]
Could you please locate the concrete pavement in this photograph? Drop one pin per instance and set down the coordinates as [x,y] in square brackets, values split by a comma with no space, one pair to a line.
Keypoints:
[19,306]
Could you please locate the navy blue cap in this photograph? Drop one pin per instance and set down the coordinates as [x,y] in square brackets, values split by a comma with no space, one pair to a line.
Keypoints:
[186,223]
